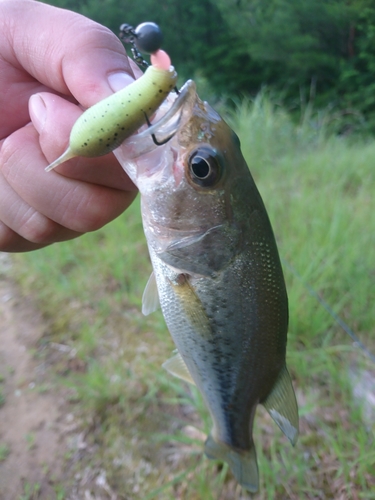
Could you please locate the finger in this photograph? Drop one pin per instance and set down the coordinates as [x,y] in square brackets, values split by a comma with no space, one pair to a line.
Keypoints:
[15,90]
[62,50]
[22,227]
[10,241]
[76,205]
[53,117]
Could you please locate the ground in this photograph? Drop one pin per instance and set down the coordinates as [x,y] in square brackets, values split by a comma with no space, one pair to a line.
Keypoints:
[42,441]
[34,421]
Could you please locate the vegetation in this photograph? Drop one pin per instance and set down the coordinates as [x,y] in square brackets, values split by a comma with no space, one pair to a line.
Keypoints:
[315,50]
[144,428]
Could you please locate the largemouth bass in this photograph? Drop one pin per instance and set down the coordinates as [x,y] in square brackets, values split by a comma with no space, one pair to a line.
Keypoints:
[216,274]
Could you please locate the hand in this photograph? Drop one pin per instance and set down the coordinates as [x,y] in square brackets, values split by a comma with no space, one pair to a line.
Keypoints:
[53,62]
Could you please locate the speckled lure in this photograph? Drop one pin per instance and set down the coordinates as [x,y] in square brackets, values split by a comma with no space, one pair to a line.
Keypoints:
[104,126]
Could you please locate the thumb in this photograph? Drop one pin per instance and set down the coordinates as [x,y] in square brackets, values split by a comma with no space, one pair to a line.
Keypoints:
[53,118]
[64,51]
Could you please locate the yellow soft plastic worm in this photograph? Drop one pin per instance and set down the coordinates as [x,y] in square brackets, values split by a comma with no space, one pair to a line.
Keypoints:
[104,126]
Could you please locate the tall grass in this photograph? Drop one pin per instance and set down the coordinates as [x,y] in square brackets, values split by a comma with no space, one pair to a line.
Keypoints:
[148,428]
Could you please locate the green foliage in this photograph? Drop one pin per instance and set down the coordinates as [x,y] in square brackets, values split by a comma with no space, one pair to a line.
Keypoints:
[303,36]
[316,47]
[356,81]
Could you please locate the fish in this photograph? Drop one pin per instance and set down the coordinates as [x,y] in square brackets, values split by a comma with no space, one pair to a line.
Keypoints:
[216,275]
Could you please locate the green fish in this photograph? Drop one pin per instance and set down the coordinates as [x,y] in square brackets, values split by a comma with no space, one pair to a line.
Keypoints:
[216,274]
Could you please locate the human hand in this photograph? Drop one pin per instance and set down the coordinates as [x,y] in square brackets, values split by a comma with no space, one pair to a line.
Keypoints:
[53,61]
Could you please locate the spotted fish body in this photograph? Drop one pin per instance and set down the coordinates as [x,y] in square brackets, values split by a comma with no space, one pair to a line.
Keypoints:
[218,278]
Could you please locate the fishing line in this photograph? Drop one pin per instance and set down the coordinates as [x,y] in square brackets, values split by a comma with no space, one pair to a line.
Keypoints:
[330,311]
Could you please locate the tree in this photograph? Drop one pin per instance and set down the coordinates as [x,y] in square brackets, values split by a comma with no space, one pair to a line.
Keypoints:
[240,45]
[302,41]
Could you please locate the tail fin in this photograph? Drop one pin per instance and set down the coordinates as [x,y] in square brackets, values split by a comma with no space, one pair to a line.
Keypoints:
[243,464]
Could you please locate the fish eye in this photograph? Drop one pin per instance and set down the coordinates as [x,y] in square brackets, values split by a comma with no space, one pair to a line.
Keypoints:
[204,167]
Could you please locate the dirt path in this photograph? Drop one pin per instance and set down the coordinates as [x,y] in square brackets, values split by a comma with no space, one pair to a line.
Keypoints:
[33,420]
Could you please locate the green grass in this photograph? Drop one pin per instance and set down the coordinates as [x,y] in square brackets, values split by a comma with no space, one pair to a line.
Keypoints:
[319,192]
[31,491]
[4,452]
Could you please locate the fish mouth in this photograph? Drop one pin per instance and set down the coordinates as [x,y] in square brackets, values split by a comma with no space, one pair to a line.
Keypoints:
[171,117]
[153,152]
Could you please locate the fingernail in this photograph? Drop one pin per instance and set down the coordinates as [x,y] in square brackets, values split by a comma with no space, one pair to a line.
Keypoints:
[118,81]
[38,111]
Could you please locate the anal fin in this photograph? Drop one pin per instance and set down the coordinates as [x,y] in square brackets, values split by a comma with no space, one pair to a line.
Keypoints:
[281,404]
[176,366]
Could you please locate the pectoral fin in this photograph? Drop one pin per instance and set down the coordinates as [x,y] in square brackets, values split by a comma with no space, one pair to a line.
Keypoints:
[177,367]
[281,404]
[203,254]
[243,463]
[150,298]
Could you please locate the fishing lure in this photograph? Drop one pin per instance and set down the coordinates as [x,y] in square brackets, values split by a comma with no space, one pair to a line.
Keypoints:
[104,126]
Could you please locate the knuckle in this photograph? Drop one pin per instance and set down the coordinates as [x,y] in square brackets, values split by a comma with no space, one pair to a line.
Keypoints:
[90,213]
[14,151]
[92,219]
[13,242]
[6,237]
[7,151]
[37,229]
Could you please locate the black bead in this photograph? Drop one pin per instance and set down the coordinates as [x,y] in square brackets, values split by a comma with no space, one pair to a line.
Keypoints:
[148,37]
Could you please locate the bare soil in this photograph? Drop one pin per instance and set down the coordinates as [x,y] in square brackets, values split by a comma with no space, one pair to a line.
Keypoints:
[33,415]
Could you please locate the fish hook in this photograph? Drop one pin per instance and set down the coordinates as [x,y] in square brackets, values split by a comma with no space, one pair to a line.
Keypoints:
[156,142]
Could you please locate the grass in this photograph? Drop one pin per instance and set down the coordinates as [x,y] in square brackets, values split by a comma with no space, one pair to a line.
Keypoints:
[4,452]
[2,395]
[31,491]
[144,427]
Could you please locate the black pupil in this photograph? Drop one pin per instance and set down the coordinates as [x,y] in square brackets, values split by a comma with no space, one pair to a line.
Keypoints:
[200,167]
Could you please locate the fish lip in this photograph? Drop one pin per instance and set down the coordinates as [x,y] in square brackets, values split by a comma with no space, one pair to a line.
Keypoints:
[149,164]
[173,119]
[183,97]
